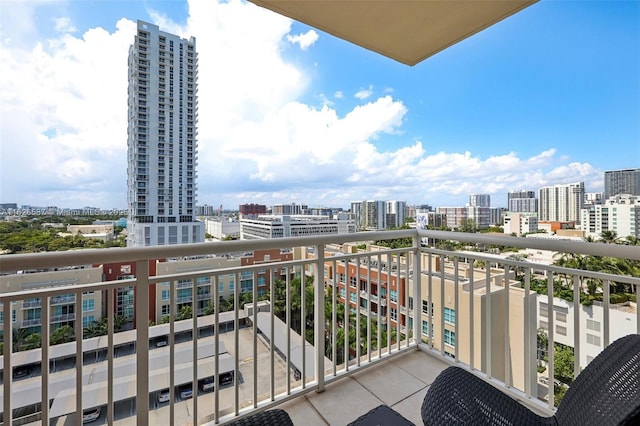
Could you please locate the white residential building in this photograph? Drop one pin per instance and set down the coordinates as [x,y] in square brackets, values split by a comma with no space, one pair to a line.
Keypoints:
[561,203]
[620,213]
[520,223]
[162,147]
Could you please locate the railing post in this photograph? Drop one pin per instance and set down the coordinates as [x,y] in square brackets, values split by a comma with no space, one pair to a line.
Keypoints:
[319,320]
[7,348]
[142,344]
[417,291]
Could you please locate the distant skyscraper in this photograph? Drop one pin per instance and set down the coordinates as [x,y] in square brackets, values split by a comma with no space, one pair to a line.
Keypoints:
[396,214]
[161,142]
[480,200]
[369,215]
[561,203]
[522,202]
[621,182]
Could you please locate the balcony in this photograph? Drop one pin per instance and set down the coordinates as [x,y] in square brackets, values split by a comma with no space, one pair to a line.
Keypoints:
[472,309]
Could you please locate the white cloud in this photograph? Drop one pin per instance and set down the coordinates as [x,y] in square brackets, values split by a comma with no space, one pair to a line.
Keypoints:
[64,25]
[364,93]
[64,117]
[303,40]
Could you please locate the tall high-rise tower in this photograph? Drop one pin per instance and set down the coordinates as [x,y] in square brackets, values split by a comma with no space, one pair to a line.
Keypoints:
[161,139]
[621,182]
[561,202]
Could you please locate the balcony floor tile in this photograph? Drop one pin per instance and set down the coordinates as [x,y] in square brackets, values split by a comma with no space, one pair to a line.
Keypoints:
[400,383]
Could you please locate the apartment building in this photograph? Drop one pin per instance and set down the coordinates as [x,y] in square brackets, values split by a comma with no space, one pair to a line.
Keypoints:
[391,293]
[520,223]
[161,139]
[562,315]
[480,200]
[620,214]
[561,202]
[63,309]
[396,213]
[522,201]
[621,182]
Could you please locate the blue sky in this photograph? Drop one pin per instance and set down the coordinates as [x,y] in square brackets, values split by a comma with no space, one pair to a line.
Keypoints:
[288,114]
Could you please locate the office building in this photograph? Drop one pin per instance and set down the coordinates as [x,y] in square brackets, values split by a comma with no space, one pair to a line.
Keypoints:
[621,182]
[520,223]
[522,202]
[561,203]
[162,146]
[284,226]
[289,209]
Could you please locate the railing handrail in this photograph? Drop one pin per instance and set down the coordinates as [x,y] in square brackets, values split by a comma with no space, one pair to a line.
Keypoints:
[16,262]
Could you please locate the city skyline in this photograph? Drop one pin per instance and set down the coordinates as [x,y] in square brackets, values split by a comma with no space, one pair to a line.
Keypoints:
[290,114]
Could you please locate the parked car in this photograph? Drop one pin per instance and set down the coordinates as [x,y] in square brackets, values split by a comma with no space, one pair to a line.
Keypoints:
[207,384]
[90,414]
[21,371]
[226,378]
[163,396]
[186,391]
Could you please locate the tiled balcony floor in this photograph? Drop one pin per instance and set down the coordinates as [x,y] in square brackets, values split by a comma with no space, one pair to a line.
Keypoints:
[400,383]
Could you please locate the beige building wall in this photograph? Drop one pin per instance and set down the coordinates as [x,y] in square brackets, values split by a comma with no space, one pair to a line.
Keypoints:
[64,308]
[226,283]
[489,307]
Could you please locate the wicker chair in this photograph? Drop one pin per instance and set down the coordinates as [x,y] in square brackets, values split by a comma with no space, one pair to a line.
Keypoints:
[275,417]
[607,392]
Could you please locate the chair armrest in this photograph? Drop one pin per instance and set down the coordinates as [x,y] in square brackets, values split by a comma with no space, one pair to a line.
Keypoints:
[457,397]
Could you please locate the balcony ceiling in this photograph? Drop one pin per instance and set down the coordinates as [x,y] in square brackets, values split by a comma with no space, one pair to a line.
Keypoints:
[408,31]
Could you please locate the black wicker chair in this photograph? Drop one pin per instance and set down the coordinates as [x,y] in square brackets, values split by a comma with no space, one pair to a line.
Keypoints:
[607,392]
[275,417]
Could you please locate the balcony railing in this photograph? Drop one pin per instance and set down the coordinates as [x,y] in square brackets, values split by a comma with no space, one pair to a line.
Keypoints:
[484,315]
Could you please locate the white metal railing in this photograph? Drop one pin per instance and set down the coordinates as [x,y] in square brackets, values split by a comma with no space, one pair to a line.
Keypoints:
[321,350]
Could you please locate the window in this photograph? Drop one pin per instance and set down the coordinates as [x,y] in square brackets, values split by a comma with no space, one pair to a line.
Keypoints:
[593,340]
[410,302]
[165,310]
[88,320]
[220,287]
[262,281]
[246,286]
[425,328]
[352,297]
[593,325]
[393,314]
[394,295]
[561,330]
[425,307]
[353,281]
[449,315]
[165,294]
[561,317]
[88,305]
[449,337]
[342,278]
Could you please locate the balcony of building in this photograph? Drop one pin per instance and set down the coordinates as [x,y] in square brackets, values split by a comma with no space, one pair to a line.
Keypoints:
[296,347]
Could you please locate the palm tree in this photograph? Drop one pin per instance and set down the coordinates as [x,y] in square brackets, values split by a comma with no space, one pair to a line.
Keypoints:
[609,237]
[63,334]
[33,341]
[19,336]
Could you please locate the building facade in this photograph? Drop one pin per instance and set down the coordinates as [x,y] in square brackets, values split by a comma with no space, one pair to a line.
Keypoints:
[522,202]
[480,200]
[621,182]
[161,139]
[620,214]
[520,223]
[369,215]
[285,226]
[561,202]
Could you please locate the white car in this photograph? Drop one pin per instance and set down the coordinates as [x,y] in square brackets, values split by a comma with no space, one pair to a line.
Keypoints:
[207,384]
[90,415]
[163,396]
[186,391]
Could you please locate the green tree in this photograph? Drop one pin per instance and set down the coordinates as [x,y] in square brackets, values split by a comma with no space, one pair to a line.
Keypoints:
[609,237]
[64,334]
[33,341]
